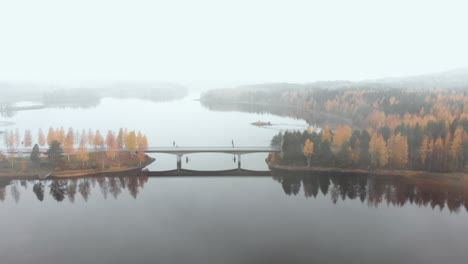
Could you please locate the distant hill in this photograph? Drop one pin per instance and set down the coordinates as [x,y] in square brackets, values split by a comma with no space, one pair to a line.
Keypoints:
[11,92]
[454,79]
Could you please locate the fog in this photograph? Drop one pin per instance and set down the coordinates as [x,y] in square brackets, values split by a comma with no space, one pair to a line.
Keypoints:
[229,42]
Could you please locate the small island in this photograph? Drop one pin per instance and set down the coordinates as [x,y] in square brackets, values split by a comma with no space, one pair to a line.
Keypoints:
[260,123]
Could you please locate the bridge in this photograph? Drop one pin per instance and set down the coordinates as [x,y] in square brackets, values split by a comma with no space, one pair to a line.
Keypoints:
[239,151]
[180,151]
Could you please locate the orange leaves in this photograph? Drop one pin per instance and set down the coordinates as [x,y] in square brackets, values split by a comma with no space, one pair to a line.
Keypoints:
[41,139]
[326,134]
[376,119]
[98,140]
[378,150]
[27,139]
[424,149]
[342,135]
[51,136]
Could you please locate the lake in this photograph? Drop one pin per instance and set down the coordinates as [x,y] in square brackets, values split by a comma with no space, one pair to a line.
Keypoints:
[283,218]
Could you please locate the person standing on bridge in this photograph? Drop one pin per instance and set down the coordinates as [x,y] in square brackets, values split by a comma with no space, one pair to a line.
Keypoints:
[173,143]
[232,142]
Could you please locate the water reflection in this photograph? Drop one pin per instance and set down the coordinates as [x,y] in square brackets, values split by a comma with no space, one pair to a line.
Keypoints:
[369,189]
[376,189]
[61,189]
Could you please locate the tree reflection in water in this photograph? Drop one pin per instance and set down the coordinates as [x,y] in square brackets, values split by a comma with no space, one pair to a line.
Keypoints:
[375,189]
[372,190]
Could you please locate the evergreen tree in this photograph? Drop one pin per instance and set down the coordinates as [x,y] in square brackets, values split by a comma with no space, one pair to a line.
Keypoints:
[35,154]
[55,153]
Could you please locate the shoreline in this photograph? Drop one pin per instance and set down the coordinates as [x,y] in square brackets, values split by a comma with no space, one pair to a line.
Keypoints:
[67,174]
[406,173]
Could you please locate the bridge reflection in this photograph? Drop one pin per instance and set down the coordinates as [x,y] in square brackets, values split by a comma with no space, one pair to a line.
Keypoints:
[218,173]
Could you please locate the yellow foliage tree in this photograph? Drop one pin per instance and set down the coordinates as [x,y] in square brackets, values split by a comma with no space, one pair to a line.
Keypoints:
[308,151]
[69,142]
[326,134]
[112,146]
[82,152]
[378,150]
[398,151]
[424,149]
[131,143]
[342,134]
[456,151]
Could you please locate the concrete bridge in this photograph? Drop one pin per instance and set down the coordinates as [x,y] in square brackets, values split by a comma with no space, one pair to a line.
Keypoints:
[180,151]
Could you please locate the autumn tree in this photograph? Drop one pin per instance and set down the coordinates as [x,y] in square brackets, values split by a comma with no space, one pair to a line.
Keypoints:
[98,140]
[90,137]
[41,139]
[398,151]
[438,155]
[456,151]
[68,147]
[342,135]
[27,139]
[131,142]
[51,136]
[378,151]
[424,150]
[121,138]
[60,136]
[112,145]
[326,134]
[308,151]
[82,152]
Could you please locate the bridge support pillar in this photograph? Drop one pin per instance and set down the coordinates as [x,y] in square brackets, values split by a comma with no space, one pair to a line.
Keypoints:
[179,162]
[239,162]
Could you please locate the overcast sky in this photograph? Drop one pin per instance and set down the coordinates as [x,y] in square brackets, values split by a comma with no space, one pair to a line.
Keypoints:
[239,40]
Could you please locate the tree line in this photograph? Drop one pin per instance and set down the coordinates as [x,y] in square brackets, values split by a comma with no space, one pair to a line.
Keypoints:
[435,147]
[74,144]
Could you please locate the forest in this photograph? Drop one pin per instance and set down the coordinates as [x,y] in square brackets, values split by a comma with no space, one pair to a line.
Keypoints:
[392,128]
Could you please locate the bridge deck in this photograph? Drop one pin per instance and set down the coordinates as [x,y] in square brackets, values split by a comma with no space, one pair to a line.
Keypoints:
[182,150]
[229,150]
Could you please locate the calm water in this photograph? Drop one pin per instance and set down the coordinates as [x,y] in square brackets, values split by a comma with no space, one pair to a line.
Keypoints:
[285,218]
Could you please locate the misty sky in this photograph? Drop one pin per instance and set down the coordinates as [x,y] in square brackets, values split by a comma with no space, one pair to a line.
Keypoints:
[240,40]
